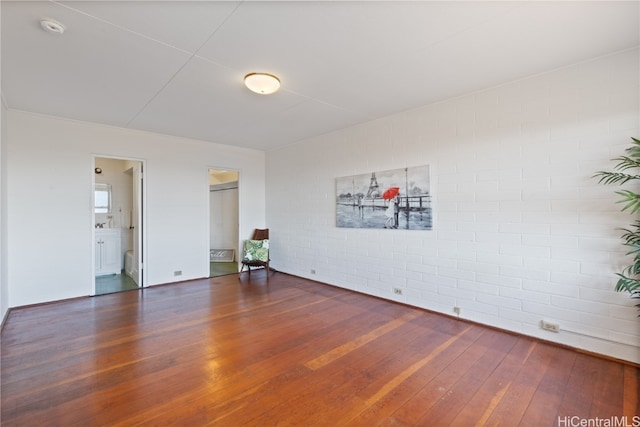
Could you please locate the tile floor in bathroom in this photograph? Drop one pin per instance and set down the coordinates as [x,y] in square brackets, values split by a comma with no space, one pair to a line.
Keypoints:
[114,283]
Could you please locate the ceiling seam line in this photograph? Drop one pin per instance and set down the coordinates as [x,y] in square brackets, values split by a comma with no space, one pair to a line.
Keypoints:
[173,76]
[121,27]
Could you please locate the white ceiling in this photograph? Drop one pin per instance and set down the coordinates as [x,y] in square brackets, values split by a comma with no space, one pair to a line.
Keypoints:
[177,67]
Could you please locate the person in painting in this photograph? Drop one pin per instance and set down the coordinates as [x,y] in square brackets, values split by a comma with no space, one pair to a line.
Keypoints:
[389,213]
[396,210]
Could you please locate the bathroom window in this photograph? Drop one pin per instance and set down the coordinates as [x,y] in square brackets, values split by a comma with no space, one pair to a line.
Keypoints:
[102,198]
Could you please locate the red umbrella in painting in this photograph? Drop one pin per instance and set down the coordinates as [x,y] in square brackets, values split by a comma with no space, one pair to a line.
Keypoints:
[390,193]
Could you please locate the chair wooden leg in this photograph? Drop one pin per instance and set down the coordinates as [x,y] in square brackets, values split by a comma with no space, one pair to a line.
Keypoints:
[242,270]
[265,266]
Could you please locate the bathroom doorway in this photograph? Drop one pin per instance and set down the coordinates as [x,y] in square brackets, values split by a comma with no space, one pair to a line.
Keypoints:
[118,208]
[223,222]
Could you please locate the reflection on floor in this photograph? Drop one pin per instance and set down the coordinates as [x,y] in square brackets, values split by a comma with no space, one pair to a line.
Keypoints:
[114,283]
[222,268]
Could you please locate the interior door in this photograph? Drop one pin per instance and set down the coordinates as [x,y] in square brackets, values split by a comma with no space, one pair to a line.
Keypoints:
[138,177]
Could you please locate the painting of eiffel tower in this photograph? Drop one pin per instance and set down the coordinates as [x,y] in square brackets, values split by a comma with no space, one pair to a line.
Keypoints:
[363,201]
[374,189]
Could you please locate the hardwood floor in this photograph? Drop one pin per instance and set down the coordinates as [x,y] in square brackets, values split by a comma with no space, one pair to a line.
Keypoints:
[294,352]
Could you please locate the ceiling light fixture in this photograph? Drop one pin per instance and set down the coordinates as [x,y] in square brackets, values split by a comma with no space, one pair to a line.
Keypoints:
[51,26]
[262,83]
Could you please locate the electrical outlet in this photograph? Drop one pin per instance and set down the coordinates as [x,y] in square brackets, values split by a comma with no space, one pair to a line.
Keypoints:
[548,326]
[177,273]
[313,271]
[397,291]
[456,310]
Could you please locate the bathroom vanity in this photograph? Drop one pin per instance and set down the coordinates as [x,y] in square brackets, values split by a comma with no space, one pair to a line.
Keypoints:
[108,253]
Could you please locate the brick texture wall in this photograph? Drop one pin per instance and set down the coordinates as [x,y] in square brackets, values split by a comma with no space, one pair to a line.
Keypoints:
[522,233]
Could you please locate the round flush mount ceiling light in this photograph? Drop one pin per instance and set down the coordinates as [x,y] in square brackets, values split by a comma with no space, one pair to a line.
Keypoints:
[262,83]
[51,26]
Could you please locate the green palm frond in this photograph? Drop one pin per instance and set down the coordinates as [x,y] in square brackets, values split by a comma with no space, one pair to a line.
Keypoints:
[630,238]
[631,200]
[634,150]
[635,250]
[626,162]
[628,284]
[614,177]
[632,270]
[629,278]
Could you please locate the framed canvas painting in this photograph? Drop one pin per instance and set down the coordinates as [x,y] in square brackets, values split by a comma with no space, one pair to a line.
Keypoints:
[394,199]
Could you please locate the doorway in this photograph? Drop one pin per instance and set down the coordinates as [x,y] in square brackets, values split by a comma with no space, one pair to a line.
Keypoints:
[118,224]
[223,222]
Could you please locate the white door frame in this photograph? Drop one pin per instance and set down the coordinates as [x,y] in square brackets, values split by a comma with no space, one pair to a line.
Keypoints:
[238,240]
[143,217]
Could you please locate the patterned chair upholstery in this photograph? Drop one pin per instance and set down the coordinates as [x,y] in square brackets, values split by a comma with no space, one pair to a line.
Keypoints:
[256,252]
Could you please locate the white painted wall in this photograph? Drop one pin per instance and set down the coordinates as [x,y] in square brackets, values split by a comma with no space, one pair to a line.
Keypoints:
[4,286]
[521,232]
[4,282]
[49,210]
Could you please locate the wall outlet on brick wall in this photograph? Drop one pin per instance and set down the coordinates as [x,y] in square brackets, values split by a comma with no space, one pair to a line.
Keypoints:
[548,326]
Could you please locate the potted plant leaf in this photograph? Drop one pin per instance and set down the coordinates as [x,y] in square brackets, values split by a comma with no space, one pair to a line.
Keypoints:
[627,170]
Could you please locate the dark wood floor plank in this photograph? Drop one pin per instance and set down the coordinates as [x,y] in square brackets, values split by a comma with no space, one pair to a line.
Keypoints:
[230,352]
[349,378]
[580,390]
[544,406]
[386,396]
[523,386]
[443,397]
[608,398]
[484,400]
[326,377]
[631,391]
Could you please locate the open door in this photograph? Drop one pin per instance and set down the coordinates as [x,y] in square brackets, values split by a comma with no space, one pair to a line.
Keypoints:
[138,177]
[118,214]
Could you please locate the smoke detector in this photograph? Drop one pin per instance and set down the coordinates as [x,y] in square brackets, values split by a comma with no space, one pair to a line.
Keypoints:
[51,26]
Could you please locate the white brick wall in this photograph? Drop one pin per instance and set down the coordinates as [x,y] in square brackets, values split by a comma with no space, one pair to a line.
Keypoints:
[521,230]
